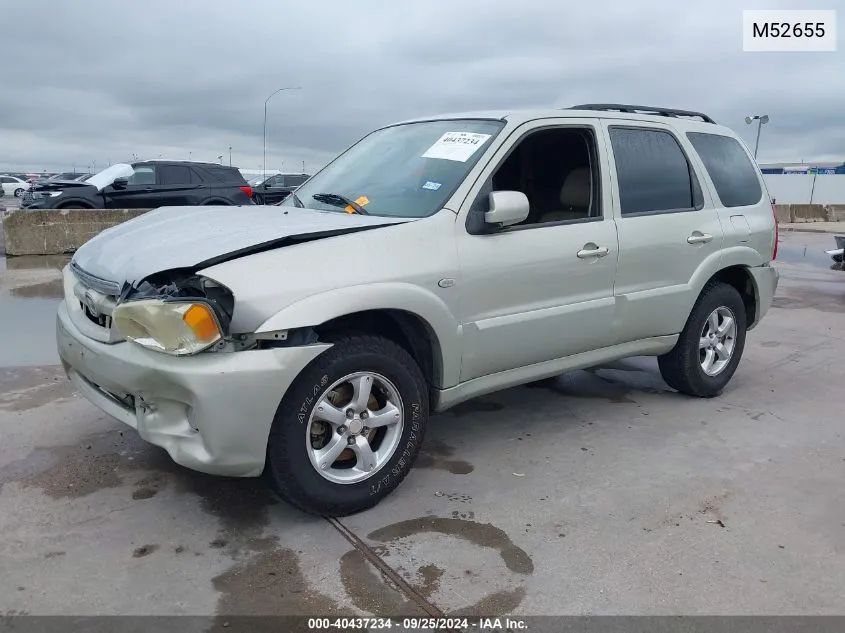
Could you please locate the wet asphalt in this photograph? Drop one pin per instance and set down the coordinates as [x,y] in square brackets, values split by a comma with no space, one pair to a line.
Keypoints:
[600,492]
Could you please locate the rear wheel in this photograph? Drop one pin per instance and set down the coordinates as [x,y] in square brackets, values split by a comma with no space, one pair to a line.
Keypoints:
[710,346]
[350,427]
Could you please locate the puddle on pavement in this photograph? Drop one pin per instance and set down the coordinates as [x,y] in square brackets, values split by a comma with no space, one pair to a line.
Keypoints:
[436,454]
[808,249]
[271,583]
[412,548]
[118,458]
[30,290]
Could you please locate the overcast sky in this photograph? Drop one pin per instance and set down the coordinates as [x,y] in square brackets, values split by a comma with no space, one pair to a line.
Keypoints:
[96,81]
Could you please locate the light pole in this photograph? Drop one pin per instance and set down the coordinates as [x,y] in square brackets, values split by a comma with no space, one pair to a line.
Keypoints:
[264,163]
[761,120]
[230,155]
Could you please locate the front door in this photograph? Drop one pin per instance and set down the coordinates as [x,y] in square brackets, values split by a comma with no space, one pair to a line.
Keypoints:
[142,192]
[543,289]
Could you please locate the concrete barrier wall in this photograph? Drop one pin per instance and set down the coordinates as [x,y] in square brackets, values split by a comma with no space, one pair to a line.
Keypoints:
[810,213]
[53,232]
[63,231]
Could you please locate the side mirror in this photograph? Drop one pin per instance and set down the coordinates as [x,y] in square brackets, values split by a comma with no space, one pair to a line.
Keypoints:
[507,207]
[120,183]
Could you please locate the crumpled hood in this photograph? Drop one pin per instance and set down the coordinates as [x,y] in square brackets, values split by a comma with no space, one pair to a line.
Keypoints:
[185,237]
[58,185]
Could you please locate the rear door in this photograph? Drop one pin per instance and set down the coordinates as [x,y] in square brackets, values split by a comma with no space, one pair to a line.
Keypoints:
[177,185]
[737,186]
[668,227]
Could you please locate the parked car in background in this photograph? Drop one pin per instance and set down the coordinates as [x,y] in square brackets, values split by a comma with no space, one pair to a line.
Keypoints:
[276,188]
[13,186]
[144,185]
[487,251]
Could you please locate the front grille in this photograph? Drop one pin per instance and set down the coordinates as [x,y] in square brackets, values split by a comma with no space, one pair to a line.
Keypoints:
[89,307]
[102,286]
[27,198]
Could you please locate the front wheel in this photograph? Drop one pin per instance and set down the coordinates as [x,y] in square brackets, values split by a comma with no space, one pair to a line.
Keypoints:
[710,346]
[18,193]
[350,427]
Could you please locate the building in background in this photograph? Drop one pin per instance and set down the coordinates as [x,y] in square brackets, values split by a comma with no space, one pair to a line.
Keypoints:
[806,168]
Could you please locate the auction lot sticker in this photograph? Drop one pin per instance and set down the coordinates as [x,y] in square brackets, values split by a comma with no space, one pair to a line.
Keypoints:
[457,146]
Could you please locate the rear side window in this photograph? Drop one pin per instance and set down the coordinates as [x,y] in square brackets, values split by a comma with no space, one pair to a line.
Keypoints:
[175,175]
[733,175]
[229,174]
[294,181]
[653,172]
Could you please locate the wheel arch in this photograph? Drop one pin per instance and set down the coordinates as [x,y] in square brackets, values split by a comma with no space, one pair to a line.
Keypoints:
[74,204]
[414,318]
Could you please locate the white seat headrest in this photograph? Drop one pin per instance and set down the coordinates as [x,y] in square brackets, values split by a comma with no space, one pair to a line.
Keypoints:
[577,189]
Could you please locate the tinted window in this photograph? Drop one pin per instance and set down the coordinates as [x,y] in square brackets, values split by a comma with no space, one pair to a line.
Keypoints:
[175,175]
[653,171]
[5,179]
[275,181]
[733,175]
[294,181]
[144,175]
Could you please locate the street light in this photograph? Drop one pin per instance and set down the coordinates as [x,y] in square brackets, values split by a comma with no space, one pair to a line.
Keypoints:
[761,120]
[230,155]
[264,164]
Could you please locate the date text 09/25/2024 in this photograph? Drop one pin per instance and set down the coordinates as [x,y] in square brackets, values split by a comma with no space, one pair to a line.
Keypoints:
[417,624]
[779,31]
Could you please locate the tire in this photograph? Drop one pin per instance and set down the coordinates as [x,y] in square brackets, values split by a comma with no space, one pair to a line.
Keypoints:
[74,205]
[18,193]
[683,368]
[338,490]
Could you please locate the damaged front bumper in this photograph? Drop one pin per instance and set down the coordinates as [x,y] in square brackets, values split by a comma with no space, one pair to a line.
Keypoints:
[211,412]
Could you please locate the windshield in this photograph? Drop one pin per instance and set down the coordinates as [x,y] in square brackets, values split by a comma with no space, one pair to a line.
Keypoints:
[407,170]
[110,174]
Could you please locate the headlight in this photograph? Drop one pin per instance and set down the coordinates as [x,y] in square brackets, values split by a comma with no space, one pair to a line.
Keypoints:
[172,327]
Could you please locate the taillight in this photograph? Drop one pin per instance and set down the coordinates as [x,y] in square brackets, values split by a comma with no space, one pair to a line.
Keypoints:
[775,249]
[247,190]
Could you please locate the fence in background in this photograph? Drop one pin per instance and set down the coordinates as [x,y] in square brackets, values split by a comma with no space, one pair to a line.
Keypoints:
[806,188]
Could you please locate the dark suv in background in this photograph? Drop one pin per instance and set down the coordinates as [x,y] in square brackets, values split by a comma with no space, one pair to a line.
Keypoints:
[144,185]
[276,188]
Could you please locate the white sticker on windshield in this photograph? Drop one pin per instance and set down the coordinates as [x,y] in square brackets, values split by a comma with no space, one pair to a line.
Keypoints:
[458,146]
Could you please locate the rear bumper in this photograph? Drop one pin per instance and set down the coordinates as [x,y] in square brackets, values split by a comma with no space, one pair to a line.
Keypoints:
[765,285]
[211,412]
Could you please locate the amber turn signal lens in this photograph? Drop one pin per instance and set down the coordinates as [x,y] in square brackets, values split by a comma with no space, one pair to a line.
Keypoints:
[202,322]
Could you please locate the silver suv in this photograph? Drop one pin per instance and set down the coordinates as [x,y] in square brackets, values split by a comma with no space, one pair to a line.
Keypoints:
[434,261]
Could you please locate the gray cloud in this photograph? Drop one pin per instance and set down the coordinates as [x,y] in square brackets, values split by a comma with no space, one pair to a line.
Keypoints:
[98,80]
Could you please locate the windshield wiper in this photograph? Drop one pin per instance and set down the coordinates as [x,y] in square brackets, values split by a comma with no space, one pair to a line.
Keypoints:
[337,200]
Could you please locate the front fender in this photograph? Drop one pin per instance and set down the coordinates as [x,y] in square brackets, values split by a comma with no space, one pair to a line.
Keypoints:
[325,306]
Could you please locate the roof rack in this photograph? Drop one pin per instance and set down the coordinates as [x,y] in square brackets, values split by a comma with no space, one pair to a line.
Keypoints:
[636,109]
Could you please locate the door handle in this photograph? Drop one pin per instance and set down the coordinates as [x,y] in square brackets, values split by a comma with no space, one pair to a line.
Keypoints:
[592,251]
[698,237]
